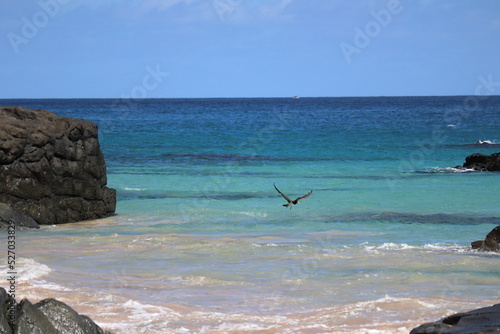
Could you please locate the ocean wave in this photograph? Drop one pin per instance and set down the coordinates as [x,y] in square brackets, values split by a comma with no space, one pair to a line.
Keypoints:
[391,246]
[486,142]
[432,170]
[42,284]
[388,246]
[384,303]
[131,189]
[254,213]
[146,312]
[29,269]
[395,246]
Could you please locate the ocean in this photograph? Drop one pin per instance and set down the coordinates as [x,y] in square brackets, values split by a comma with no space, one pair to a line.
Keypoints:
[201,243]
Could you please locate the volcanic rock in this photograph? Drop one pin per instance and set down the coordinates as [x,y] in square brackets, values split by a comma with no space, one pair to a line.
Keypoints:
[49,316]
[483,320]
[52,168]
[9,216]
[491,243]
[481,162]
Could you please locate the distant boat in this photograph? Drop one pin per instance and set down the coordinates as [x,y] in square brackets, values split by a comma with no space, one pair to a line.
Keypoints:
[295,97]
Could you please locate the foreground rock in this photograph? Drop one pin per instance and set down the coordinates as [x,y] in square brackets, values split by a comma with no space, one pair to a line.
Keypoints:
[52,168]
[9,216]
[481,162]
[49,316]
[491,243]
[483,320]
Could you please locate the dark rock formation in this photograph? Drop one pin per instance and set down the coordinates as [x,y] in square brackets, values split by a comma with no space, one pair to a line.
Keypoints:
[481,162]
[6,312]
[491,243]
[52,168]
[49,316]
[483,320]
[9,216]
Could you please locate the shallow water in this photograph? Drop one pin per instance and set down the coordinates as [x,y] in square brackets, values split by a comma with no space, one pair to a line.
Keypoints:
[201,243]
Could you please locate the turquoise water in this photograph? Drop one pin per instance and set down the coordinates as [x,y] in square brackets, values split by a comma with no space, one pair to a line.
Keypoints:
[202,244]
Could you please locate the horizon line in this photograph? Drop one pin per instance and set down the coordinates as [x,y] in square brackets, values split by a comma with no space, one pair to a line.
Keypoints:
[243,97]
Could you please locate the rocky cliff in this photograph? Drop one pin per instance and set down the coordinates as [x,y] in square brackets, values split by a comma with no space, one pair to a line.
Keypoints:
[52,168]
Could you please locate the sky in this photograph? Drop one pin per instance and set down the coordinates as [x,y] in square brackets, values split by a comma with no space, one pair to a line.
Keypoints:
[248,48]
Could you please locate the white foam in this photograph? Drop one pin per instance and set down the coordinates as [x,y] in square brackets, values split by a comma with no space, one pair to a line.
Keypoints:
[450,170]
[259,214]
[394,246]
[485,142]
[29,269]
[384,304]
[443,247]
[391,246]
[132,189]
[49,286]
[148,313]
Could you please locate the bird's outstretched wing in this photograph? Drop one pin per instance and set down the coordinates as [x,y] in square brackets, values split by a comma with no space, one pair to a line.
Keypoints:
[285,196]
[305,196]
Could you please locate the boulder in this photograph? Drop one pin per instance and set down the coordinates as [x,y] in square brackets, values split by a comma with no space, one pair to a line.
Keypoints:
[10,216]
[66,320]
[7,307]
[49,316]
[31,320]
[483,320]
[481,162]
[491,243]
[52,168]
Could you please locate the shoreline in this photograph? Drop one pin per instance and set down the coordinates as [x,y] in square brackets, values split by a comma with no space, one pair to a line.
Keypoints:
[378,315]
[192,319]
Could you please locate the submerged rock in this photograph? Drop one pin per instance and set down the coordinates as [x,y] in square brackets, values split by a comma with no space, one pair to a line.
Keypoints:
[481,162]
[483,320]
[491,243]
[49,316]
[52,168]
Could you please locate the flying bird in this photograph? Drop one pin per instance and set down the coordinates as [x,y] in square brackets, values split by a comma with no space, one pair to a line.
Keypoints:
[291,203]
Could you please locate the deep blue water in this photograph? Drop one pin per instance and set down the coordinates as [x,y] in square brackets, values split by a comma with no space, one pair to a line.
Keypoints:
[234,149]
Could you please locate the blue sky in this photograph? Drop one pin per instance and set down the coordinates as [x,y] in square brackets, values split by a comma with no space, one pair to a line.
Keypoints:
[247,48]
